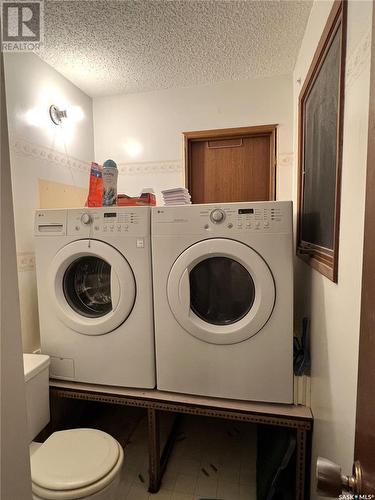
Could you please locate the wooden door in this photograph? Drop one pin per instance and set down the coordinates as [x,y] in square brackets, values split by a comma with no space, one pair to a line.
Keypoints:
[365,425]
[362,482]
[231,165]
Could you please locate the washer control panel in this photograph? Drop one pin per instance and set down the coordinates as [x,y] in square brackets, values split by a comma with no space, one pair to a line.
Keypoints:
[119,222]
[111,220]
[226,218]
[94,222]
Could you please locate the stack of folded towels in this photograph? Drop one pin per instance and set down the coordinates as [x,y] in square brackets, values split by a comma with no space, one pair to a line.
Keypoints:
[176,196]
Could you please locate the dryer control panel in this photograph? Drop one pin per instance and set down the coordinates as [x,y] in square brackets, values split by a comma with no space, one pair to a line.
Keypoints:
[93,222]
[224,219]
[261,218]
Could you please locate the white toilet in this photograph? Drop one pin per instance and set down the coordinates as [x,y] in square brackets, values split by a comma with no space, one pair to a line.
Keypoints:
[73,464]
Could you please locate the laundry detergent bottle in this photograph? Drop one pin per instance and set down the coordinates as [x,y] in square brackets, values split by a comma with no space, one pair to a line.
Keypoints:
[95,196]
[110,175]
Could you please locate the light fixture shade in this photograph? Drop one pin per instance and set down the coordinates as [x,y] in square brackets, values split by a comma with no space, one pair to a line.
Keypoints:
[56,114]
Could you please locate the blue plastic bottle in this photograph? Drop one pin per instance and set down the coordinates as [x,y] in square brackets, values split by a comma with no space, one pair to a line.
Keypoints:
[110,175]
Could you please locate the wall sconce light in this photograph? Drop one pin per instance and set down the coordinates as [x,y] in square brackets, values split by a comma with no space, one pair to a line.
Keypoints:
[56,114]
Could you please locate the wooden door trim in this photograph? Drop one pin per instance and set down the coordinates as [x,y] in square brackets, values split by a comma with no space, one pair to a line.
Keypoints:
[364,438]
[230,133]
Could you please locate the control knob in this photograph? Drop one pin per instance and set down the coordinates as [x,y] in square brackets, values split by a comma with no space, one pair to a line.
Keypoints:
[217,215]
[86,218]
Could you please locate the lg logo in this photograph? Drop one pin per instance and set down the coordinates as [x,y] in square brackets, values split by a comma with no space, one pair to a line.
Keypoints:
[21,25]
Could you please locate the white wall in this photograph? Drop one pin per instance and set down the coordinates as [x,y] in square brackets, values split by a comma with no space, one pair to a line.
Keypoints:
[334,309]
[154,121]
[15,479]
[40,149]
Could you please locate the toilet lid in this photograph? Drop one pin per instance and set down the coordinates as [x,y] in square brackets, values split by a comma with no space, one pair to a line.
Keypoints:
[74,459]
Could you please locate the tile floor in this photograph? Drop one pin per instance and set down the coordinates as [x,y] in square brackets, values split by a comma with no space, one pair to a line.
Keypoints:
[213,459]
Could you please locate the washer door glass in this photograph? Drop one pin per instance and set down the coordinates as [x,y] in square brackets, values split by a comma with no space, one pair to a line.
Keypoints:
[92,287]
[87,286]
[222,290]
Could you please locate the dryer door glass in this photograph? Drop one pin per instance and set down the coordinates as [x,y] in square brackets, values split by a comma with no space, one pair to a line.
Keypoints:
[87,286]
[222,291]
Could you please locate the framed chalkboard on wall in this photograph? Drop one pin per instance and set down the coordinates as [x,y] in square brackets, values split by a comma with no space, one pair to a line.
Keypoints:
[321,106]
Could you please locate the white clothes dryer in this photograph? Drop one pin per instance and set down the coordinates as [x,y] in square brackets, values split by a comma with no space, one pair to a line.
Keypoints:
[95,294]
[223,300]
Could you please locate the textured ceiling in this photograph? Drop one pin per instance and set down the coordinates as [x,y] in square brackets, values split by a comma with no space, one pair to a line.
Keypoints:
[107,47]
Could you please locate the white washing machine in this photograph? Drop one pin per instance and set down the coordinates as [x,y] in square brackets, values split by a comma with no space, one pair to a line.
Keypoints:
[95,294]
[223,300]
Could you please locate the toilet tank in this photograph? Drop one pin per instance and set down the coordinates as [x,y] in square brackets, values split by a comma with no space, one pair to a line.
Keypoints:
[36,369]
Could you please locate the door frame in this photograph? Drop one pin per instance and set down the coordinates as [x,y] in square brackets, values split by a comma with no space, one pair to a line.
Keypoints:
[230,133]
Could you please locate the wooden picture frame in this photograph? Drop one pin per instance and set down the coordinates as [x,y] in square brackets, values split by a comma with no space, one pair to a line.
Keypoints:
[320,132]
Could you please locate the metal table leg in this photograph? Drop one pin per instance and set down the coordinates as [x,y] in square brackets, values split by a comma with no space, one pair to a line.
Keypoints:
[168,447]
[301,464]
[153,450]
[158,461]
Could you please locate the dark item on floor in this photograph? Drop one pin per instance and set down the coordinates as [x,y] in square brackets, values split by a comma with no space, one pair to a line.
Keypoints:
[276,463]
[301,350]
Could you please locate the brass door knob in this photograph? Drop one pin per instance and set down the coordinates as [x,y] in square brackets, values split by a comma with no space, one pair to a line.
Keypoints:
[331,482]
